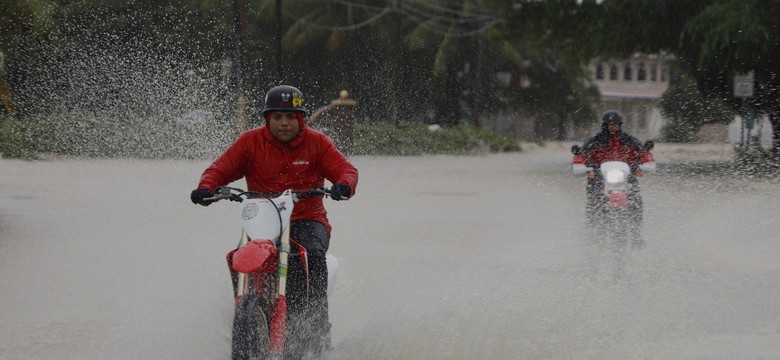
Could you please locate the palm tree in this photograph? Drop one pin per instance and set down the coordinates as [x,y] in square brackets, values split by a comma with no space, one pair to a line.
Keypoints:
[394,53]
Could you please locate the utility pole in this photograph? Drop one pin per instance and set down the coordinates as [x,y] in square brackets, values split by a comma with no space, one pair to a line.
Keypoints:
[395,79]
[279,41]
[238,22]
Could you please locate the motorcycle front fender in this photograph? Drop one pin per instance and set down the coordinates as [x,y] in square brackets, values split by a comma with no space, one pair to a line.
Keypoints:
[255,256]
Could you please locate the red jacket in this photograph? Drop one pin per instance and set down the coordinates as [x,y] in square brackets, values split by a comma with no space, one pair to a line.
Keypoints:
[619,147]
[272,166]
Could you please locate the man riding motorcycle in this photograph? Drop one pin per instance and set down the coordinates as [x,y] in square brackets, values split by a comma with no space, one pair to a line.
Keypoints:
[286,154]
[614,144]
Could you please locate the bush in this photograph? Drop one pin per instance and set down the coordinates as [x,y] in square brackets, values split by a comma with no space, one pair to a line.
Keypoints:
[14,142]
[417,139]
[679,132]
[90,135]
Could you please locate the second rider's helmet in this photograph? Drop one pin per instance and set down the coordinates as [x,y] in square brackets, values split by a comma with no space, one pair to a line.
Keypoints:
[612,117]
[284,98]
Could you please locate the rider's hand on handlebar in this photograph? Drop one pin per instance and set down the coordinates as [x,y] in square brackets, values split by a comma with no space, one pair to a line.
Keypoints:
[340,191]
[198,195]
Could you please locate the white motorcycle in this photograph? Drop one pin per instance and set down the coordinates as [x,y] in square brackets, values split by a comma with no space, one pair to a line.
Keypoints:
[259,269]
[614,207]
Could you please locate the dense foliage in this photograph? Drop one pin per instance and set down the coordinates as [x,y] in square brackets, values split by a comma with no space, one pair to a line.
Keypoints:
[446,62]
[410,138]
[687,109]
[14,141]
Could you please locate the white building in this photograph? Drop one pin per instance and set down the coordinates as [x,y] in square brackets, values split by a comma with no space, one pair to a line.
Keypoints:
[634,87]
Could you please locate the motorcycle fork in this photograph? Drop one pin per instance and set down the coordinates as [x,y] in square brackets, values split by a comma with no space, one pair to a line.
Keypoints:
[240,282]
[243,281]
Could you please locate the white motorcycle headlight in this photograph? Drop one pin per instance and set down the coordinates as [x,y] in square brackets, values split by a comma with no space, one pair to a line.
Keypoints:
[615,177]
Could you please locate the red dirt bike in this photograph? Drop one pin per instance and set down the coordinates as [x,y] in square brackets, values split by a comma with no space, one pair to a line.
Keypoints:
[259,269]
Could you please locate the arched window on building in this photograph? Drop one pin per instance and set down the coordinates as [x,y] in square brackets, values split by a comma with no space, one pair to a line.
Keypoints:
[627,72]
[613,72]
[641,72]
[600,71]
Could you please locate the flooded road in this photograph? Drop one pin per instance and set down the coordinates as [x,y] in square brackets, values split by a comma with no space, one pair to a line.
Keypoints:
[442,257]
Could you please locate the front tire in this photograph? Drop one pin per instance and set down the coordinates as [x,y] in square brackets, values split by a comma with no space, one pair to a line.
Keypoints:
[250,330]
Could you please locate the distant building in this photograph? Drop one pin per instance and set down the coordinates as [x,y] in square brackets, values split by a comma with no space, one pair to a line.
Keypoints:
[634,87]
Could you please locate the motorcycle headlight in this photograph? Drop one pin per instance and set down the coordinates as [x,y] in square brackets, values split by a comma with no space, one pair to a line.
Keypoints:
[616,177]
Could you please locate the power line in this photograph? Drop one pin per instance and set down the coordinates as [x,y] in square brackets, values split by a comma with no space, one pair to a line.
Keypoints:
[357,5]
[435,18]
[472,15]
[349,27]
[443,29]
[448,19]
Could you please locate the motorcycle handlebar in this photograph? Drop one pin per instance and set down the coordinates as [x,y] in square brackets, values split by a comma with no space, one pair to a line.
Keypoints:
[236,194]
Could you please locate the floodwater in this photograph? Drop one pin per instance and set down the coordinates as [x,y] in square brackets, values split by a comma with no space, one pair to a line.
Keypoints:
[442,257]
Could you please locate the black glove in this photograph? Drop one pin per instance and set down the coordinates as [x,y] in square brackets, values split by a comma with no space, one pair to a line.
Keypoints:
[340,191]
[198,195]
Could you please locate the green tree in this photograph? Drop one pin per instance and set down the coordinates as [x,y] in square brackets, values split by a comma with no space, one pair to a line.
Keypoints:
[688,109]
[19,20]
[405,58]
[713,40]
[625,27]
[556,38]
[732,37]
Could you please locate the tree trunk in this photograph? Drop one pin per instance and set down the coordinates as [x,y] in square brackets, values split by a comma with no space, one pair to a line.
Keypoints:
[279,70]
[477,87]
[395,80]
[561,133]
[451,113]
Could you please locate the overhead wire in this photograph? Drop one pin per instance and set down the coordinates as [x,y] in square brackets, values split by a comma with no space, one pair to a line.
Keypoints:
[435,7]
[446,18]
[435,18]
[445,30]
[350,27]
[357,5]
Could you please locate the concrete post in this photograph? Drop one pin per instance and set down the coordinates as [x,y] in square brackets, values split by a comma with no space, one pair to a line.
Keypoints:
[342,111]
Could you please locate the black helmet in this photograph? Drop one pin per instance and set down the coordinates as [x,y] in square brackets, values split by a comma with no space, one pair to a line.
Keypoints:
[612,117]
[284,98]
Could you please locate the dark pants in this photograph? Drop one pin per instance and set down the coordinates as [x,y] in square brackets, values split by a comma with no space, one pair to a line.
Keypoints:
[308,323]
